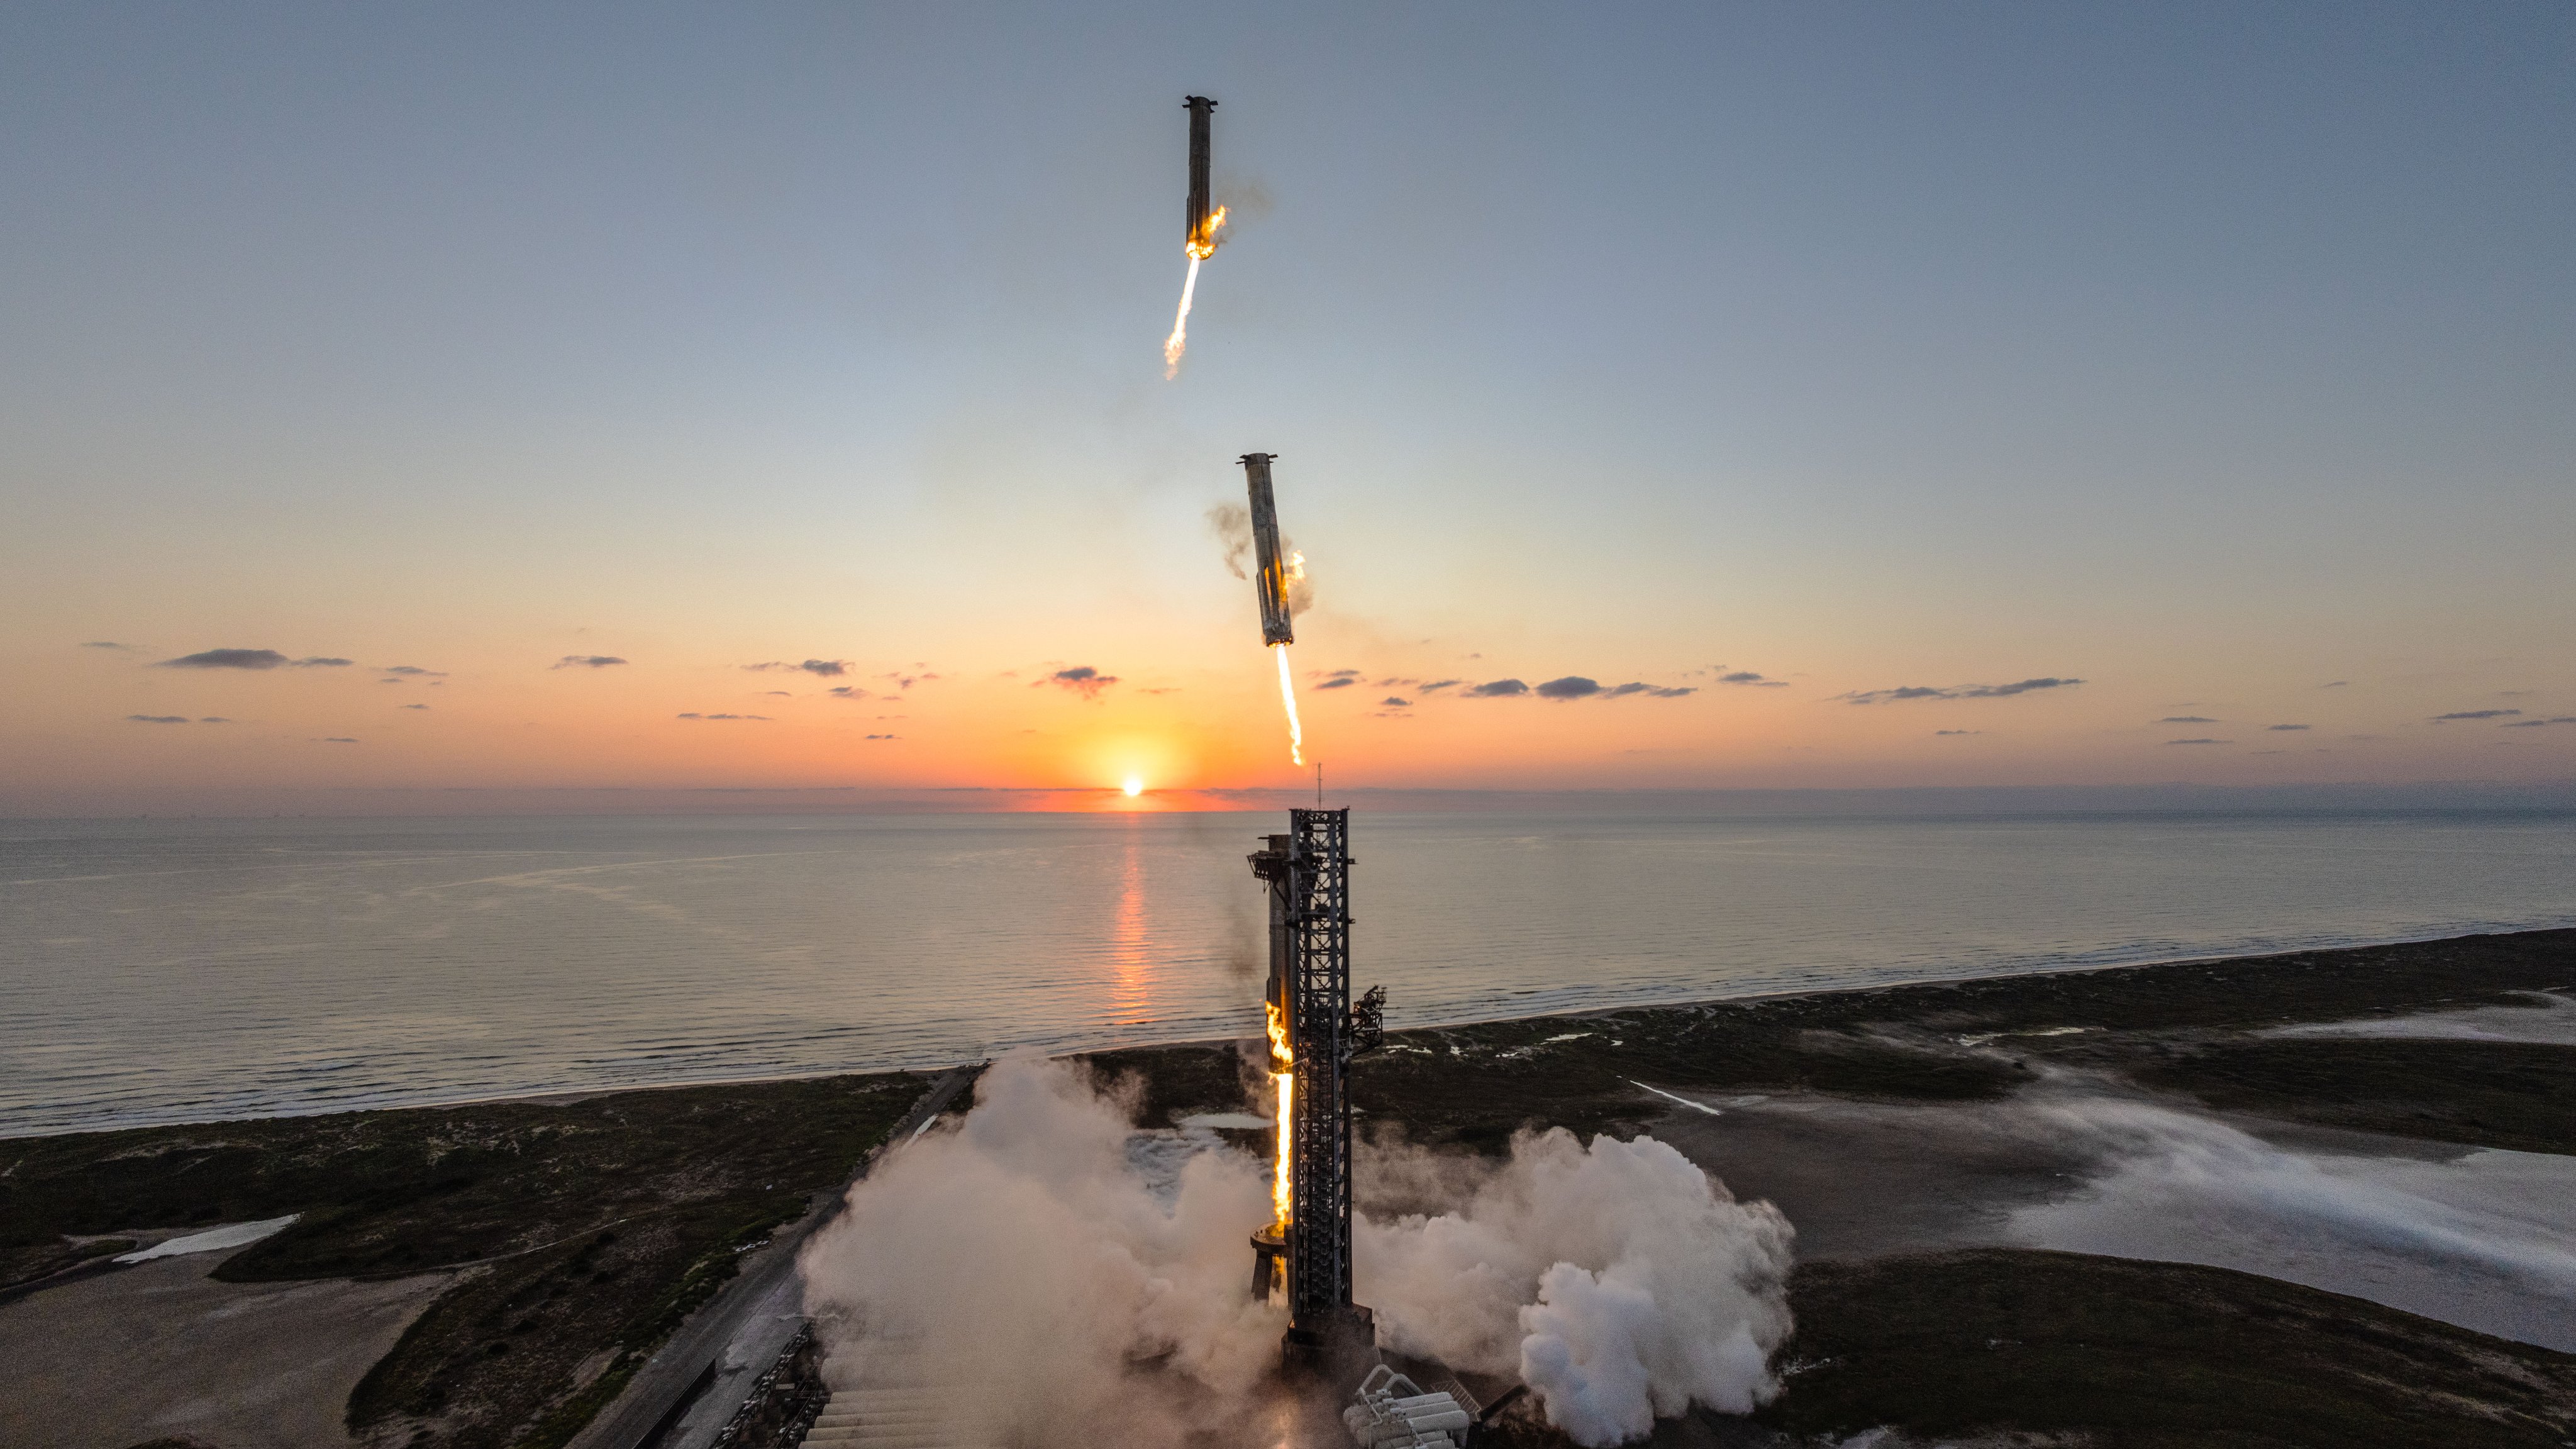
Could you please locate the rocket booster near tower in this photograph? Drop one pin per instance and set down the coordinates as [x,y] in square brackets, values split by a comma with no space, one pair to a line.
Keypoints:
[1272,579]
[1197,239]
[1318,1029]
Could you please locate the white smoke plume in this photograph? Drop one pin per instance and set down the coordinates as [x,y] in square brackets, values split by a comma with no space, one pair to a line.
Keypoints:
[2481,1239]
[1066,1278]
[1618,1280]
[1232,525]
[1066,1287]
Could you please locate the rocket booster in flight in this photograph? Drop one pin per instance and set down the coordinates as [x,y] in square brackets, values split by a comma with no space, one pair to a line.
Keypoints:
[1272,580]
[1197,240]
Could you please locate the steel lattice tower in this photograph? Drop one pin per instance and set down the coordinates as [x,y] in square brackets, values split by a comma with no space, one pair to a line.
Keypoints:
[1308,871]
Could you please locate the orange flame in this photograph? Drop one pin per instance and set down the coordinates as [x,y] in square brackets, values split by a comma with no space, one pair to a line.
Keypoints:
[1288,697]
[1282,1075]
[1203,246]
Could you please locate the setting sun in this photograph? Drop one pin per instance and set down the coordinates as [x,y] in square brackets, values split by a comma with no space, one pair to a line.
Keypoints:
[1134,786]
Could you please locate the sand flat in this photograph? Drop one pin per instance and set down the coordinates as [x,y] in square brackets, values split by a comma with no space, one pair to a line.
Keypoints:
[161,1349]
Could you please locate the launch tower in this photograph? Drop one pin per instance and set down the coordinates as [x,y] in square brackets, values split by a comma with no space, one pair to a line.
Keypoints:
[1308,872]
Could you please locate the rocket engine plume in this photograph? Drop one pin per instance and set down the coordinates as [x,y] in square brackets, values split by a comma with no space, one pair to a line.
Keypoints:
[1179,341]
[1284,1077]
[1288,697]
[1199,229]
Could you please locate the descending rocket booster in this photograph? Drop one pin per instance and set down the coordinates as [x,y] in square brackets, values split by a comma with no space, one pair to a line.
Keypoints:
[1199,240]
[1272,579]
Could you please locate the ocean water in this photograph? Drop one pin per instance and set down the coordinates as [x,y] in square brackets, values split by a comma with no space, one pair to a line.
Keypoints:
[157,971]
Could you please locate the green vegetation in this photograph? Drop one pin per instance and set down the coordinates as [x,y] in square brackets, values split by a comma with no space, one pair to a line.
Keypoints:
[587,1230]
[2149,1356]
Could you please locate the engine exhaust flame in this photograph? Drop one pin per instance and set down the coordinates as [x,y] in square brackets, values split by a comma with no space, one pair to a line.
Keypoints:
[1200,247]
[1288,697]
[1179,341]
[1282,1061]
[1203,245]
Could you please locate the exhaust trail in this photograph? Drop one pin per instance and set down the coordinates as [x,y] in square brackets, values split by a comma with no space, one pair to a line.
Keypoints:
[1179,341]
[1288,697]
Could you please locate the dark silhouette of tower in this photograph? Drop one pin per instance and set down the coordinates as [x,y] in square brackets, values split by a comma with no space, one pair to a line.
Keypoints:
[1308,872]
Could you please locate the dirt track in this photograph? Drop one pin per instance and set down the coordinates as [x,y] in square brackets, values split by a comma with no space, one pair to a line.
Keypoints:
[159,1350]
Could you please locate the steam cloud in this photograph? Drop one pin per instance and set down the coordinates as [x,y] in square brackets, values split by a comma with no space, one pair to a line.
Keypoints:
[1093,1278]
[1032,1245]
[1618,1280]
[2176,1185]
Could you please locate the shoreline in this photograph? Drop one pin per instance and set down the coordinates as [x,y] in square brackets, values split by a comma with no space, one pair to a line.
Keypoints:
[2115,1137]
[565,1096]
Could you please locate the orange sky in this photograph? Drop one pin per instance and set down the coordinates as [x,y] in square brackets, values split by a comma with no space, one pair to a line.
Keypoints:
[2219,381]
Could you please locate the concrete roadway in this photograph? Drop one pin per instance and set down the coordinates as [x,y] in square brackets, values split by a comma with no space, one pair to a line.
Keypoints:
[691,1387]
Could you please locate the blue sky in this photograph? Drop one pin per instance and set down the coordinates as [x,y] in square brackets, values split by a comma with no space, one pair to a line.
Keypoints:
[2208,354]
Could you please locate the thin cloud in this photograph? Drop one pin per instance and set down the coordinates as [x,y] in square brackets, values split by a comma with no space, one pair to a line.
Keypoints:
[850,691]
[1572,686]
[1748,677]
[416,671]
[2186,719]
[694,715]
[884,737]
[1936,734]
[1437,685]
[2278,728]
[1650,691]
[2533,724]
[1395,702]
[827,668]
[1342,682]
[587,661]
[2025,686]
[1332,674]
[1497,689]
[336,740]
[158,718]
[2335,684]
[250,659]
[2200,742]
[1082,679]
[219,719]
[104,644]
[907,681]
[1958,691]
[226,659]
[2475,714]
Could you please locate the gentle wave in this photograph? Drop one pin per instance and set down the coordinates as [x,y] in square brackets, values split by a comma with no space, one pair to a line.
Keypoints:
[178,971]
